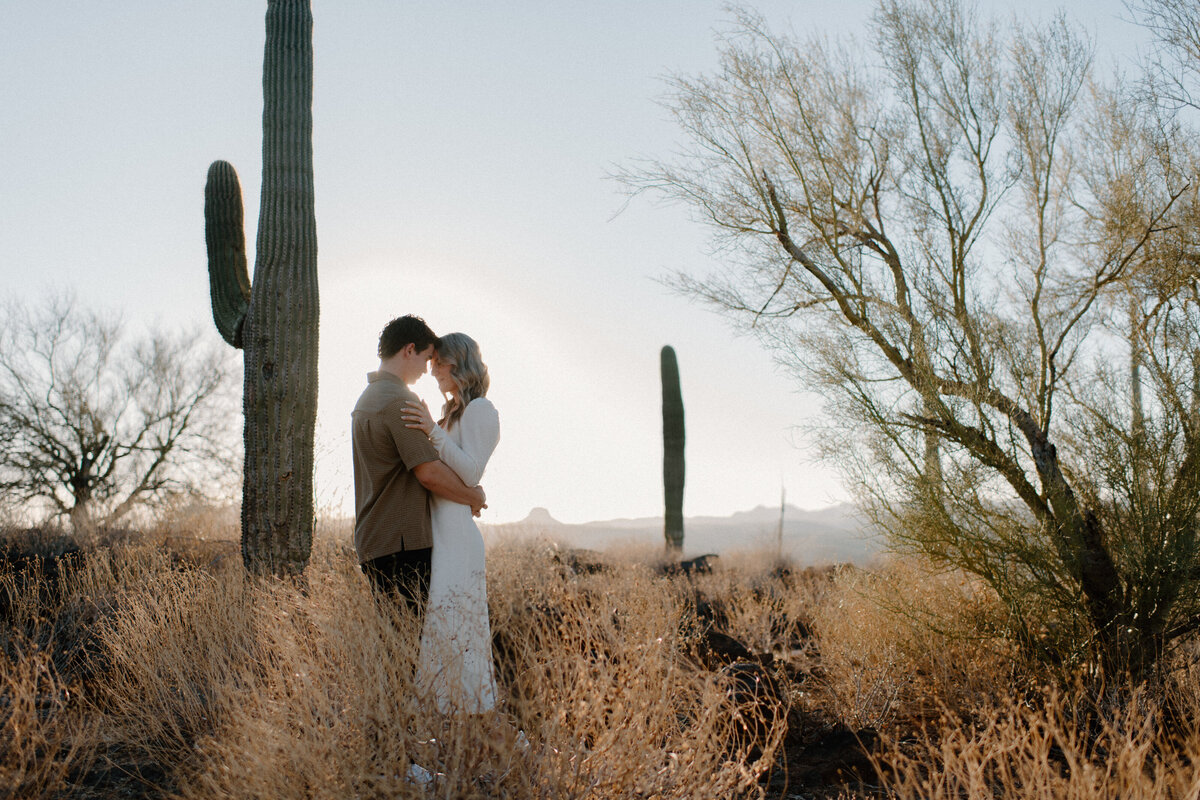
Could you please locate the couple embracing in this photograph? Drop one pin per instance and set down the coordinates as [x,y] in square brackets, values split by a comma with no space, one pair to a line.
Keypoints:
[416,493]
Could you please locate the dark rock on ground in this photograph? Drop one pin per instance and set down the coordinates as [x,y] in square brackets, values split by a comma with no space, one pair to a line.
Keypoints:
[758,702]
[693,566]
[710,613]
[581,562]
[717,648]
[823,761]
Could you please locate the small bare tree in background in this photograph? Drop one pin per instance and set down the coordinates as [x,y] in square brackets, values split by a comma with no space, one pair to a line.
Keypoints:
[95,423]
[986,256]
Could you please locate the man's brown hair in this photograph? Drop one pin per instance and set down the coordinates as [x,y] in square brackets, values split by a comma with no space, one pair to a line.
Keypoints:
[403,331]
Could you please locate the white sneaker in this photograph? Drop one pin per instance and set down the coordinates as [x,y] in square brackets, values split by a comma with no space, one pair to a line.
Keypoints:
[419,775]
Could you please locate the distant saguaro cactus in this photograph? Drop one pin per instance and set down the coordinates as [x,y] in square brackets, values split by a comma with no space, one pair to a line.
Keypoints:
[672,411]
[274,320]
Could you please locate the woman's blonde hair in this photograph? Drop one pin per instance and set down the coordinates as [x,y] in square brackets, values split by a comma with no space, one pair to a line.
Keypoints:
[466,368]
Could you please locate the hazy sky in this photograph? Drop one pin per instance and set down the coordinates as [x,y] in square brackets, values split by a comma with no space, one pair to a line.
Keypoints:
[461,150]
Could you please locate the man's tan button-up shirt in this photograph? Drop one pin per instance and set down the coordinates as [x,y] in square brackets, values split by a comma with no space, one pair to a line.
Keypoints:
[391,507]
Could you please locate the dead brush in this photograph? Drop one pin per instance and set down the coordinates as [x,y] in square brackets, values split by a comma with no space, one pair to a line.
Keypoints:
[1066,746]
[46,741]
[762,602]
[46,606]
[904,642]
[603,679]
[199,682]
[326,709]
[175,644]
[197,535]
[194,683]
[279,689]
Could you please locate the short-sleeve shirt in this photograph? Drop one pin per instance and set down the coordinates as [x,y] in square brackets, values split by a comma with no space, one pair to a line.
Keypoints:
[391,507]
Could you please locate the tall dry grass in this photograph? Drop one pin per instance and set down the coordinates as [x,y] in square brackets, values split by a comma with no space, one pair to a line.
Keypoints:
[904,643]
[45,737]
[203,682]
[1063,747]
[150,668]
[919,655]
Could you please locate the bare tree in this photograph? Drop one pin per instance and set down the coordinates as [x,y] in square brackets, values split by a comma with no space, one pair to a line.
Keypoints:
[94,423]
[957,234]
[1174,60]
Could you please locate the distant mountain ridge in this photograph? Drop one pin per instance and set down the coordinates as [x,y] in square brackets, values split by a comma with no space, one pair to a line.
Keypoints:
[835,534]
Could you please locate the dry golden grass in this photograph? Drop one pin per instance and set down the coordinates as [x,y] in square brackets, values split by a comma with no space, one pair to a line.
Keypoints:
[764,600]
[917,653]
[905,643]
[1062,748]
[44,736]
[207,683]
[153,669]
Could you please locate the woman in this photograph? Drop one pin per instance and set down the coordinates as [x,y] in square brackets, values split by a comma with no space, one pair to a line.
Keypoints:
[455,663]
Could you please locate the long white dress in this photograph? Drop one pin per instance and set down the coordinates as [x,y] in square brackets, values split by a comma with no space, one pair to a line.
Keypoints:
[455,662]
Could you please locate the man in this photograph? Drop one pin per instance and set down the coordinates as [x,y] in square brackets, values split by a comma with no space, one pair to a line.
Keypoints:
[395,468]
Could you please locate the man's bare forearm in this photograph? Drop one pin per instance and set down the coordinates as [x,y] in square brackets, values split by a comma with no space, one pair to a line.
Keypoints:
[438,478]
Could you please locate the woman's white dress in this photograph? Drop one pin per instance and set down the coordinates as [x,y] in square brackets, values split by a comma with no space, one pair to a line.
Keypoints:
[455,663]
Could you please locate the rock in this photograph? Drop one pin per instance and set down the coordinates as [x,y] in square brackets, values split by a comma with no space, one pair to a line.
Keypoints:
[758,705]
[581,562]
[717,649]
[833,756]
[700,565]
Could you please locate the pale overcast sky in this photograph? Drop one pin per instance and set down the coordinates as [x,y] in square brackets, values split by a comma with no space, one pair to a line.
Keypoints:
[460,150]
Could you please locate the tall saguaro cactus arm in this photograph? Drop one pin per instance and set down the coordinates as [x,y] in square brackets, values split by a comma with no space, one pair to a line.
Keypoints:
[224,233]
[274,319]
[673,439]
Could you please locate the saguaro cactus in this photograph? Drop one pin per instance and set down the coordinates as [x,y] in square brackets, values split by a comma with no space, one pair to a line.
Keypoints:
[274,319]
[672,411]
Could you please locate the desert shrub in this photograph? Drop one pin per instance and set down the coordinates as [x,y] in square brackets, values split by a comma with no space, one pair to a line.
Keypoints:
[20,545]
[42,601]
[904,642]
[175,646]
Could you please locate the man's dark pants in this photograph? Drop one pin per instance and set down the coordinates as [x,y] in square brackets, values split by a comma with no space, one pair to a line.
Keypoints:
[405,572]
